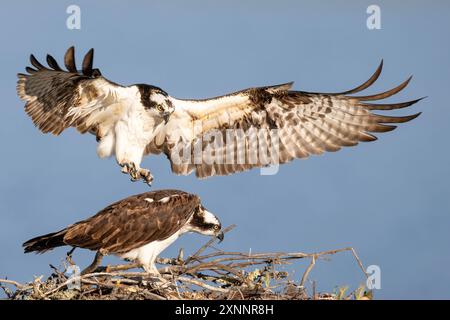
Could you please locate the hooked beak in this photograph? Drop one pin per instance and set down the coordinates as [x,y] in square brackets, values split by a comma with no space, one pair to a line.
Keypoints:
[220,236]
[166,116]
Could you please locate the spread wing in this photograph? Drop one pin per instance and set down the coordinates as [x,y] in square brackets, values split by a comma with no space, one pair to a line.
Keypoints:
[134,222]
[58,99]
[290,124]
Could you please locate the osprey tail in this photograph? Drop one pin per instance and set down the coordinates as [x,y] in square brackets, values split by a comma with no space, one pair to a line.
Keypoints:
[46,242]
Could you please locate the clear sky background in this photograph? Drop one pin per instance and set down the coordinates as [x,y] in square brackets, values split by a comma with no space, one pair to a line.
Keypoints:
[389,199]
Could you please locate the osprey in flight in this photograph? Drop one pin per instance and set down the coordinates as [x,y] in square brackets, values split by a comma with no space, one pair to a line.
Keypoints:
[216,136]
[137,228]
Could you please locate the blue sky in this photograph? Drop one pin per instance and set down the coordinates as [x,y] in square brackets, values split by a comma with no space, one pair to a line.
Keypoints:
[388,199]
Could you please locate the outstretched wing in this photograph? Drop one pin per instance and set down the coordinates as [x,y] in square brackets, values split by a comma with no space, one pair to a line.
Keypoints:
[270,125]
[134,222]
[58,99]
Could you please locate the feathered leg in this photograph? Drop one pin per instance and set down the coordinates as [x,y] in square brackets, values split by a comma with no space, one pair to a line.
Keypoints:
[129,155]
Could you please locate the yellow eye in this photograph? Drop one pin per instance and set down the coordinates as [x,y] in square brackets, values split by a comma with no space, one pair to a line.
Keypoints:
[160,108]
[216,227]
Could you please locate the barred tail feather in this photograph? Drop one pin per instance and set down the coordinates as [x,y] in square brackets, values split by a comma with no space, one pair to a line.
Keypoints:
[46,242]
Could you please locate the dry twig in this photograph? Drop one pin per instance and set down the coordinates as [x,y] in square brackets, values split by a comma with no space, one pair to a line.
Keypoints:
[214,275]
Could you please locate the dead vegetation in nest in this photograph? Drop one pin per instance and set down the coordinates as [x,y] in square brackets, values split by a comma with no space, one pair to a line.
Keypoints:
[214,275]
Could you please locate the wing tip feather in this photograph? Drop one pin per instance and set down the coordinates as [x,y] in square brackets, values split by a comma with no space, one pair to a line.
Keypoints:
[385,94]
[366,84]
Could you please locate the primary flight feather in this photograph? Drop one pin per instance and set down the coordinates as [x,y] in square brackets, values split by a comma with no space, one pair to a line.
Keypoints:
[250,128]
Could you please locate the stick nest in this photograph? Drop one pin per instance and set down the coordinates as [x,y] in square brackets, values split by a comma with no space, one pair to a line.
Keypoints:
[214,275]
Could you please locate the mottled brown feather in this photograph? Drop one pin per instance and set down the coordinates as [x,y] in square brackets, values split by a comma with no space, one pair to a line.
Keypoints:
[50,93]
[69,60]
[133,222]
[307,123]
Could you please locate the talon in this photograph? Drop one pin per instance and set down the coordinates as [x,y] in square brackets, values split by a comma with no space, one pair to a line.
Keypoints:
[136,173]
[130,168]
[147,176]
[125,167]
[134,176]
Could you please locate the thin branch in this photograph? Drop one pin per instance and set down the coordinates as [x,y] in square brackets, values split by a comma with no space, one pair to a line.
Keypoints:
[206,245]
[203,285]
[308,270]
[14,283]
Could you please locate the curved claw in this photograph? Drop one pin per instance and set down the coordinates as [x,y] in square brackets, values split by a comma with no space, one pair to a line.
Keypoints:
[124,169]
[135,176]
[137,173]
[130,168]
[146,176]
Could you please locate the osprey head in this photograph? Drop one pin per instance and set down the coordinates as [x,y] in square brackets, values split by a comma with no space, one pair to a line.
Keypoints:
[204,222]
[156,101]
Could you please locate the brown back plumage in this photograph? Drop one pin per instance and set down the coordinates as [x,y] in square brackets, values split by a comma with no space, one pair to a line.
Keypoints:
[126,224]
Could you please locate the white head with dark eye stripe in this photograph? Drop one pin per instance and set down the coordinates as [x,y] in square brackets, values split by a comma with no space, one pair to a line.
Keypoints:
[206,223]
[156,101]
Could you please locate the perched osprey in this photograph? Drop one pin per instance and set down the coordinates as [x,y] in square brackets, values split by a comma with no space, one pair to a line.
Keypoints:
[137,228]
[133,121]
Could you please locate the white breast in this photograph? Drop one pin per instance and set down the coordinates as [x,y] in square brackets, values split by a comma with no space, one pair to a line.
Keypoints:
[147,254]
